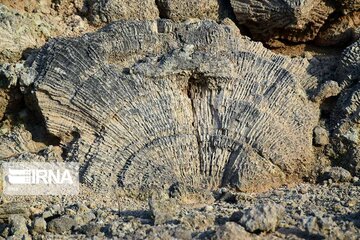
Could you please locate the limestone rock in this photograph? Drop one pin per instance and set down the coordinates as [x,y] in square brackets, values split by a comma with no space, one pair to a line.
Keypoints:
[337,174]
[13,40]
[264,217]
[155,102]
[293,20]
[340,31]
[39,225]
[61,225]
[232,231]
[321,136]
[18,225]
[107,11]
[182,10]
[8,209]
[346,114]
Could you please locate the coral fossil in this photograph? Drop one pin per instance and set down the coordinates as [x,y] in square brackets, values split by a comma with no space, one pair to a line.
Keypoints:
[156,102]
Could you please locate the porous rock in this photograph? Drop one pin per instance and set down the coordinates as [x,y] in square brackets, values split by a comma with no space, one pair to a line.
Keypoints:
[321,136]
[18,225]
[340,31]
[106,11]
[206,107]
[61,225]
[293,20]
[15,39]
[262,218]
[232,231]
[346,114]
[337,174]
[182,10]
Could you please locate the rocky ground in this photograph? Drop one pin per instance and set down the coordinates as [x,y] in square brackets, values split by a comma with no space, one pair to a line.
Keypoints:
[305,186]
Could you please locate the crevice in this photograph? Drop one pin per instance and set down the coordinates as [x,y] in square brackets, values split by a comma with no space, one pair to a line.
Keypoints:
[161,9]
[192,85]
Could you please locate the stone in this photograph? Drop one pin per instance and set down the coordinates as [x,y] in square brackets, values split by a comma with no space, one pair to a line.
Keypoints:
[61,225]
[232,231]
[18,225]
[198,134]
[39,225]
[340,31]
[321,136]
[14,208]
[163,209]
[292,20]
[262,218]
[179,10]
[345,116]
[107,11]
[337,174]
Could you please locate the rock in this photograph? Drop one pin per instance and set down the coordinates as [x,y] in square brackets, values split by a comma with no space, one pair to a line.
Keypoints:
[163,209]
[232,231]
[262,218]
[198,134]
[327,90]
[39,225]
[323,226]
[337,174]
[18,225]
[91,229]
[84,218]
[197,220]
[61,225]
[293,20]
[179,10]
[16,209]
[112,10]
[341,31]
[321,136]
[345,116]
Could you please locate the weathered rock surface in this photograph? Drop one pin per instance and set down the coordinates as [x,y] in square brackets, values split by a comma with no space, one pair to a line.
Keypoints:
[39,21]
[296,21]
[105,11]
[262,218]
[206,108]
[340,31]
[182,10]
[346,114]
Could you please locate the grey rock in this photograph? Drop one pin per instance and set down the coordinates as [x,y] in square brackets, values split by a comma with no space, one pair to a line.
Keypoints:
[18,225]
[183,10]
[264,217]
[16,209]
[321,136]
[163,209]
[61,225]
[91,229]
[39,225]
[107,11]
[232,231]
[199,60]
[337,174]
[268,19]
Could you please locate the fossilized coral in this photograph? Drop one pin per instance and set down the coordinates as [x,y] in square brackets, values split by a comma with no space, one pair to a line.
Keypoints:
[200,109]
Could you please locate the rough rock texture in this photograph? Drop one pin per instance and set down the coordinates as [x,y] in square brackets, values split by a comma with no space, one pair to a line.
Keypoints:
[346,114]
[181,125]
[340,31]
[202,109]
[39,21]
[106,11]
[268,19]
[262,218]
[182,10]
